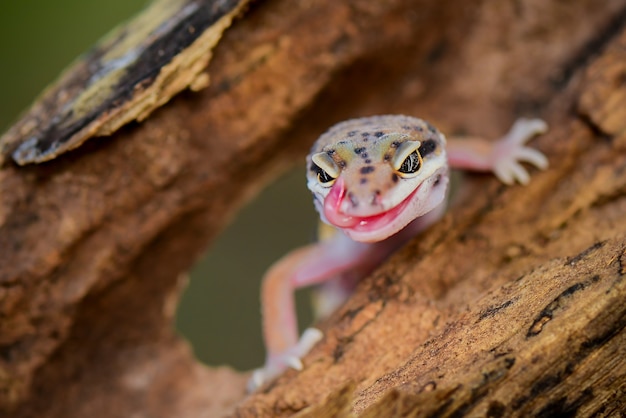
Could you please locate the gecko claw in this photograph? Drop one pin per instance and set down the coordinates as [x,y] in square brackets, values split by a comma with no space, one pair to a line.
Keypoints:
[511,150]
[523,129]
[256,380]
[291,358]
[310,337]
[294,363]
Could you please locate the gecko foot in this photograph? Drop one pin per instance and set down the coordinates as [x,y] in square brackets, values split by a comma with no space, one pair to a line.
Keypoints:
[276,364]
[510,151]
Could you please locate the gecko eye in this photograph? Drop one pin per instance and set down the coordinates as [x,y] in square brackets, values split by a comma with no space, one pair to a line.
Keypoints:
[325,168]
[407,161]
[323,177]
[411,164]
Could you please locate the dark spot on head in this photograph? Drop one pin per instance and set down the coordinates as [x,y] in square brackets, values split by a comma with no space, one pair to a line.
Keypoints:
[364,134]
[387,157]
[437,180]
[379,134]
[418,128]
[365,155]
[394,177]
[431,128]
[427,147]
[406,127]
[352,133]
[359,150]
[342,164]
[367,169]
[368,161]
[363,180]
[330,152]
[342,143]
[395,144]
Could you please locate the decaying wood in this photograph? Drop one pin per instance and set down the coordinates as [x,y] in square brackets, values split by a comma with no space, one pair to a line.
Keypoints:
[129,74]
[512,305]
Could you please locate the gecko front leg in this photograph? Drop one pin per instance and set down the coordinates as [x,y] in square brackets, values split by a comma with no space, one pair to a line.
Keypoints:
[313,264]
[502,157]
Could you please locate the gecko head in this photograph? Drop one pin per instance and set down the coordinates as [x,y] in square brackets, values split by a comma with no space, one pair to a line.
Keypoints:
[371,177]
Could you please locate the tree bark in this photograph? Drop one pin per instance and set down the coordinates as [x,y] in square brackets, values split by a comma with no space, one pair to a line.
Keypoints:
[512,305]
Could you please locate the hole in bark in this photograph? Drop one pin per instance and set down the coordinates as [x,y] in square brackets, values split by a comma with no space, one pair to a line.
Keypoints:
[219,313]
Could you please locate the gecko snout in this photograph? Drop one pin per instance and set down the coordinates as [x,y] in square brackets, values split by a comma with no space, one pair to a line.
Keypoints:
[351,201]
[366,201]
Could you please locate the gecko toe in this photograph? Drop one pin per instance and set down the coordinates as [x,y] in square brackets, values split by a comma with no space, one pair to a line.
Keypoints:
[532,156]
[291,358]
[524,129]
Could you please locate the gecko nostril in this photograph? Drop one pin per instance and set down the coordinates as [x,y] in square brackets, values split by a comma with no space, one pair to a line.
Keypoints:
[353,199]
[376,198]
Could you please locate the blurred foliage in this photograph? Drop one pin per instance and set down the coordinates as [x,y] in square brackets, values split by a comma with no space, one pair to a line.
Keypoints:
[219,313]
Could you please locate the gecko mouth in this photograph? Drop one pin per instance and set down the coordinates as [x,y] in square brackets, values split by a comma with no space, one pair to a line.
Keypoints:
[362,223]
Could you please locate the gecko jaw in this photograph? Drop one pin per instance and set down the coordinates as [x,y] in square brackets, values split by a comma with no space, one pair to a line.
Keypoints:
[364,228]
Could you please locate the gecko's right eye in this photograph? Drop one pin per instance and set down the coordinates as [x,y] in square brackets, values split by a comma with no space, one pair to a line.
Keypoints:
[323,177]
[325,167]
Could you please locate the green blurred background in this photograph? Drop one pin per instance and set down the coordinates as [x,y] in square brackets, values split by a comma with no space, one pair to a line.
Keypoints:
[219,313]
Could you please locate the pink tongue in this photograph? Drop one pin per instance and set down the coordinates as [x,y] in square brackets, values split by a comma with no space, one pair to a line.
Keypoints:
[332,207]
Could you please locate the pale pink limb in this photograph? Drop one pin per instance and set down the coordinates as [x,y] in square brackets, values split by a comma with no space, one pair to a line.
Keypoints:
[502,157]
[313,264]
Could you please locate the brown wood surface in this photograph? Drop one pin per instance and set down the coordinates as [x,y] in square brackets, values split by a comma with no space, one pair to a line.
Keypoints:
[513,305]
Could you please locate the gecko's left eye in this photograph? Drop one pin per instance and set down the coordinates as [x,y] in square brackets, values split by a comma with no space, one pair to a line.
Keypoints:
[325,168]
[408,161]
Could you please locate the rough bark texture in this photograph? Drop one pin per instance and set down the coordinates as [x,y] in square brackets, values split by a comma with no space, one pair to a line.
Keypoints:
[512,305]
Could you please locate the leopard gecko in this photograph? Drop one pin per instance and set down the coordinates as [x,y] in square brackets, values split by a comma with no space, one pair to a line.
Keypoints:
[378,181]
